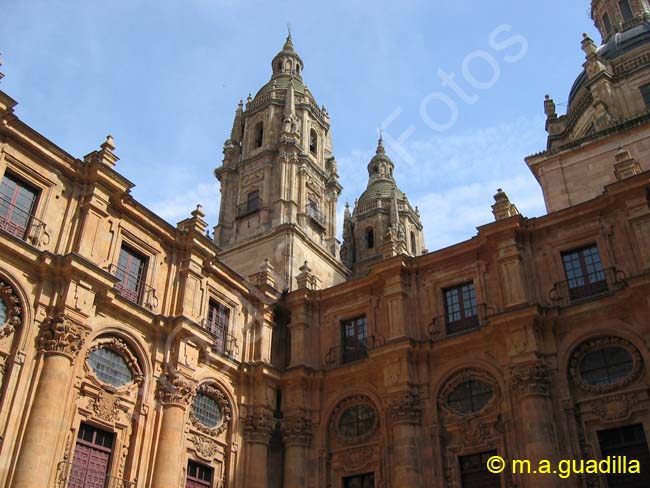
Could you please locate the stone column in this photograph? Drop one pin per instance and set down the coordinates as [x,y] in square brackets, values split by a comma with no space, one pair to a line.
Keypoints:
[257,433]
[60,342]
[531,384]
[297,435]
[174,393]
[405,416]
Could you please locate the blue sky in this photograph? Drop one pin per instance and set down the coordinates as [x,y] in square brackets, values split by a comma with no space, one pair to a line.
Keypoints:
[164,78]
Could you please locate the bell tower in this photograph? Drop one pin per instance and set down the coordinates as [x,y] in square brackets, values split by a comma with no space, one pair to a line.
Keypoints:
[279,183]
[383,223]
[614,16]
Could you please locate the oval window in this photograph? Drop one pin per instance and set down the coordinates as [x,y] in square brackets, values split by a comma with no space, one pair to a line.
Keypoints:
[206,410]
[357,421]
[606,366]
[470,396]
[3,311]
[109,367]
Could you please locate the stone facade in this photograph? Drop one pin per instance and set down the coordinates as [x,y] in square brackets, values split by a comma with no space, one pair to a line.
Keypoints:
[139,346]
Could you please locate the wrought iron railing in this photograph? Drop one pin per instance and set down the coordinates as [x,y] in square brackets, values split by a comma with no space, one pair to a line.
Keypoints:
[249,207]
[133,288]
[442,326]
[70,475]
[352,350]
[316,215]
[224,342]
[22,224]
[586,287]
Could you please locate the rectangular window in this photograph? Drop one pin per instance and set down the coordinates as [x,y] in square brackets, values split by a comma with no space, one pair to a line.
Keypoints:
[218,323]
[474,472]
[645,94]
[584,273]
[626,10]
[130,271]
[253,201]
[607,24]
[17,200]
[198,475]
[92,455]
[627,441]
[360,481]
[354,339]
[461,309]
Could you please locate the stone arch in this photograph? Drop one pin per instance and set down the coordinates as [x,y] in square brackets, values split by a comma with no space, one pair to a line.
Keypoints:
[461,364]
[27,313]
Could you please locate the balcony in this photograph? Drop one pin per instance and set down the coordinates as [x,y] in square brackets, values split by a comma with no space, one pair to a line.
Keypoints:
[22,224]
[352,351]
[224,342]
[587,287]
[70,475]
[249,207]
[134,289]
[316,215]
[440,327]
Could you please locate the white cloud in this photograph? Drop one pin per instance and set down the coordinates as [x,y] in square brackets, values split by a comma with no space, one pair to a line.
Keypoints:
[178,207]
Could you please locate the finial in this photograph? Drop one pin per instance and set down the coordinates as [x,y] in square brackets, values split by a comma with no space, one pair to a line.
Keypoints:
[1,75]
[109,143]
[380,142]
[288,30]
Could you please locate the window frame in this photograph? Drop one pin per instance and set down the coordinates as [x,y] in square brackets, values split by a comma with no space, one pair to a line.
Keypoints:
[354,347]
[193,480]
[258,135]
[136,294]
[627,13]
[468,315]
[13,227]
[644,90]
[594,283]
[221,329]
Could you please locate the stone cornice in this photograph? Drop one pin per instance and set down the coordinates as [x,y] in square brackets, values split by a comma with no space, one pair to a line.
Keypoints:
[258,427]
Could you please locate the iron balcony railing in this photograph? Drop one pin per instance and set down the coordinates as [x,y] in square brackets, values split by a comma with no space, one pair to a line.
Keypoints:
[316,215]
[588,286]
[22,224]
[249,207]
[224,342]
[351,350]
[70,475]
[134,288]
[443,326]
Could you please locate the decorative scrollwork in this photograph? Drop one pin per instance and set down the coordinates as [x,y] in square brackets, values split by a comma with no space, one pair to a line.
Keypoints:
[14,311]
[596,344]
[206,448]
[532,379]
[258,427]
[173,389]
[218,396]
[407,408]
[297,431]
[60,336]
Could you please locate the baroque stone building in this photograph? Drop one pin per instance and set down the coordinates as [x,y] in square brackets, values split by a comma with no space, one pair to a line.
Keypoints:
[135,353]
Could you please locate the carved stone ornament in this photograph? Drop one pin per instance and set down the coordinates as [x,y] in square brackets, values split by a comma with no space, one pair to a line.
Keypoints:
[407,408]
[531,379]
[595,344]
[13,319]
[477,431]
[60,336]
[205,448]
[173,389]
[105,406]
[258,427]
[357,458]
[297,431]
[616,407]
[461,377]
[341,408]
[118,346]
[217,395]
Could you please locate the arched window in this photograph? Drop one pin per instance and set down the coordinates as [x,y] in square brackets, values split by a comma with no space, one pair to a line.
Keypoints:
[109,367]
[313,142]
[413,243]
[259,134]
[297,68]
[354,420]
[206,410]
[253,201]
[210,412]
[370,238]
